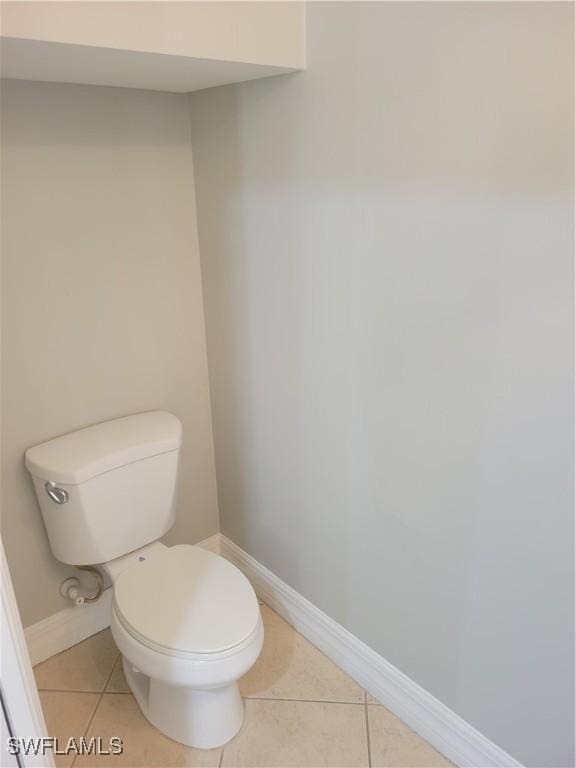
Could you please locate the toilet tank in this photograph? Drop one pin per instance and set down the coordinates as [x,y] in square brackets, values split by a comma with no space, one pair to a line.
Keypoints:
[108,489]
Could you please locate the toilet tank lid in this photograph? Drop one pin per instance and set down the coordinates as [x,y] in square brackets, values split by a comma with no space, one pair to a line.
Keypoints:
[78,456]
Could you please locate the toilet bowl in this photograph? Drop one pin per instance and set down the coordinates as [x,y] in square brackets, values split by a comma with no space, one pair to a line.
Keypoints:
[188,625]
[186,621]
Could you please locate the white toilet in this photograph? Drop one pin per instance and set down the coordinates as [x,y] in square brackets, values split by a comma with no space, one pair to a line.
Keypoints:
[187,621]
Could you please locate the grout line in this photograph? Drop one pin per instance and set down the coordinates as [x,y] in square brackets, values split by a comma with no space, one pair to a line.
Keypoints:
[107,691]
[303,701]
[246,698]
[85,734]
[69,690]
[120,693]
[367,729]
[221,758]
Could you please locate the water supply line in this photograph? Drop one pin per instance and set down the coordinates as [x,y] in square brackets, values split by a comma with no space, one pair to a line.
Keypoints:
[71,587]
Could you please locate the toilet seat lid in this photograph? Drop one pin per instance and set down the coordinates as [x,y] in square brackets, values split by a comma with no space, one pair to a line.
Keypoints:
[186,600]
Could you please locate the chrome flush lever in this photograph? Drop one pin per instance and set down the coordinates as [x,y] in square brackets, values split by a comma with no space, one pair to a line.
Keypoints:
[58,495]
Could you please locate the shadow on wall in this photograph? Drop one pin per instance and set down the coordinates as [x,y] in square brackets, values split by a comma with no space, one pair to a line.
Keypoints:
[258,305]
[386,245]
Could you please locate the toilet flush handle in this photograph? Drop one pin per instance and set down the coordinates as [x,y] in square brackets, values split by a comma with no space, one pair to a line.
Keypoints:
[58,495]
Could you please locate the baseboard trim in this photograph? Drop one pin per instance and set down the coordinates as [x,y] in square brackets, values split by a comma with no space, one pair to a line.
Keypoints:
[439,725]
[212,543]
[71,625]
[64,629]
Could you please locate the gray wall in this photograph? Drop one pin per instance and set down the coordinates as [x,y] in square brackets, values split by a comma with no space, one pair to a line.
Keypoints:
[102,301]
[386,245]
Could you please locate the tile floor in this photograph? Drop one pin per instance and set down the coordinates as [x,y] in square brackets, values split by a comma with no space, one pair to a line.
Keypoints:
[301,710]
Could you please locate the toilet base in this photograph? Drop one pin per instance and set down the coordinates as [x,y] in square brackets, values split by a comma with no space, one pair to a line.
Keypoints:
[198,718]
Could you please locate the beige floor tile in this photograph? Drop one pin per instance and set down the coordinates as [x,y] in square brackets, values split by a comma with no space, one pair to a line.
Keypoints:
[144,746]
[394,745]
[290,667]
[117,682]
[67,715]
[84,667]
[370,699]
[299,733]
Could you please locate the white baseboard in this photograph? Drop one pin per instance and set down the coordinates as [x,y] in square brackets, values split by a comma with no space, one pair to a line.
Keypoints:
[439,725]
[212,543]
[64,629]
[70,626]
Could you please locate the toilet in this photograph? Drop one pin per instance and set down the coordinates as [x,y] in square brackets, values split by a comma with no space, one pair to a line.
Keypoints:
[186,621]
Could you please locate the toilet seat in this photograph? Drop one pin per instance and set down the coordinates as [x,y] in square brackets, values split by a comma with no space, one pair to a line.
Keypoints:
[185,601]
